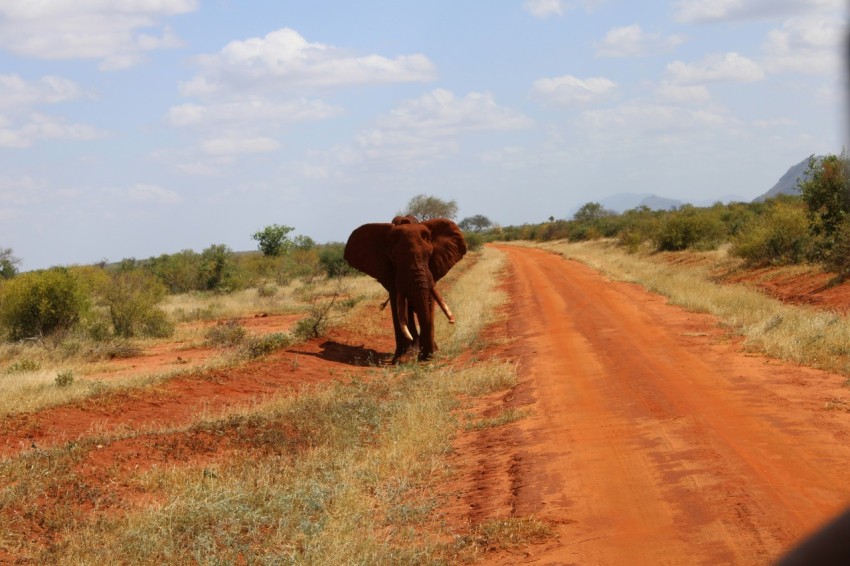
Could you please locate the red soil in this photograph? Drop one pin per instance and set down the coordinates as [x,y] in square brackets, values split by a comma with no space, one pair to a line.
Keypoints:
[651,437]
[654,439]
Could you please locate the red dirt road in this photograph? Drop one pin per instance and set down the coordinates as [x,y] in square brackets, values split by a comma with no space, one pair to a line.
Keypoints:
[654,439]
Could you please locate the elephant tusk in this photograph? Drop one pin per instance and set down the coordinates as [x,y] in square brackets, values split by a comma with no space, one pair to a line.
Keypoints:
[445,308]
[401,311]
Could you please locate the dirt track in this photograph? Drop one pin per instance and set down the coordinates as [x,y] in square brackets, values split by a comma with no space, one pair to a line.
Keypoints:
[654,438]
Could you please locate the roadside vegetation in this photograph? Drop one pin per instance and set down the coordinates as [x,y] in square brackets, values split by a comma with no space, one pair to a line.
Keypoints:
[65,324]
[811,227]
[348,472]
[804,335]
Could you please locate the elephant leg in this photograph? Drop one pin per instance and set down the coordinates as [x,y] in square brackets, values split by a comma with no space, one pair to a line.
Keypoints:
[427,345]
[402,343]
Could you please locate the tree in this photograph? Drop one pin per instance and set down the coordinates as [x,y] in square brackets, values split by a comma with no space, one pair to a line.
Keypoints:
[826,191]
[475,223]
[426,207]
[592,212]
[218,269]
[302,242]
[8,264]
[132,298]
[273,240]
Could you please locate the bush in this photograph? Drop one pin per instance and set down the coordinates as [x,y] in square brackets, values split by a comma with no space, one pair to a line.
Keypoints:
[332,260]
[780,236]
[132,297]
[179,272]
[23,366]
[839,257]
[64,378]
[41,303]
[217,270]
[230,333]
[257,347]
[690,228]
[474,241]
[826,192]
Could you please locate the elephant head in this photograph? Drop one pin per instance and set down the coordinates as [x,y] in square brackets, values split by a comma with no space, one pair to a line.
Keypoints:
[408,257]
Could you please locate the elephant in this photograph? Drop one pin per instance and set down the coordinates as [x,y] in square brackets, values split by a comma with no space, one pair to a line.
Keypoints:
[408,257]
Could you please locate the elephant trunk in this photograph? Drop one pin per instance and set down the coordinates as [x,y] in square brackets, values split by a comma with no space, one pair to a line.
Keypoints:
[445,307]
[401,310]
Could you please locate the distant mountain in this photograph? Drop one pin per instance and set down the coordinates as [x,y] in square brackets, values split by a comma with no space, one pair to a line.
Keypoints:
[627,201]
[787,184]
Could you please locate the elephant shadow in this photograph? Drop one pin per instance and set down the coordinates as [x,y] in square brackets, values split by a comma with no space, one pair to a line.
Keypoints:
[351,355]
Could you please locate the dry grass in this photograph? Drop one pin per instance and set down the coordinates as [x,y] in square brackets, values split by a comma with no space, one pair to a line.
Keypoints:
[804,335]
[473,309]
[28,371]
[344,473]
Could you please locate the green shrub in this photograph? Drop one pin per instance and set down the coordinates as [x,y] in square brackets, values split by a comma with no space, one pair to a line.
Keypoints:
[217,270]
[179,272]
[41,303]
[839,257]
[23,366]
[64,378]
[266,291]
[780,236]
[132,298]
[826,191]
[257,347]
[474,241]
[229,333]
[332,260]
[689,228]
[114,349]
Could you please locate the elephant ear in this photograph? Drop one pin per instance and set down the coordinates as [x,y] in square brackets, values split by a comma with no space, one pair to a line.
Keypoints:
[449,246]
[365,250]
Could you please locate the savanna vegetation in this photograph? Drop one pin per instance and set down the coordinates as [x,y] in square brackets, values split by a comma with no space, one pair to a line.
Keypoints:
[347,472]
[350,471]
[813,226]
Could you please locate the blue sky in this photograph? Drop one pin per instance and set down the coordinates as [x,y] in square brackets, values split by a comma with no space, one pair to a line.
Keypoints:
[132,128]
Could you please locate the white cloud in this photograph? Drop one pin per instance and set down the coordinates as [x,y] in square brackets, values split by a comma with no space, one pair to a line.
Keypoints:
[431,126]
[571,90]
[89,29]
[153,193]
[716,68]
[641,118]
[18,92]
[805,45]
[248,110]
[683,94]
[632,41]
[284,60]
[40,127]
[544,8]
[774,123]
[21,126]
[239,145]
[700,11]
[20,190]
